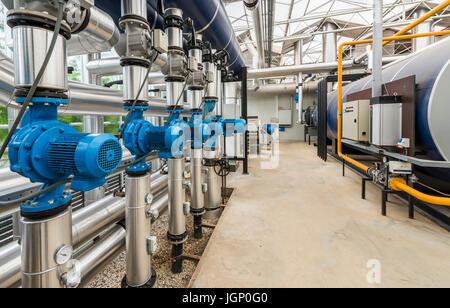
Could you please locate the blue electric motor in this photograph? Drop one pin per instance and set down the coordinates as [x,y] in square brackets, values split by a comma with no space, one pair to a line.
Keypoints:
[48,151]
[141,137]
[215,126]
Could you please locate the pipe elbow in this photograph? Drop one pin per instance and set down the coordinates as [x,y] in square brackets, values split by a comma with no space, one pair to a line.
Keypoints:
[397,183]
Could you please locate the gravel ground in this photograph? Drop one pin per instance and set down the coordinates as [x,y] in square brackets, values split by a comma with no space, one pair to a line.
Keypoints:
[113,274]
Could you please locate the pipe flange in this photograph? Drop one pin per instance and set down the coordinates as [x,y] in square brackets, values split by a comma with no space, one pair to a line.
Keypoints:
[175,108]
[17,18]
[132,18]
[177,50]
[174,79]
[47,213]
[251,5]
[86,15]
[135,61]
[196,88]
[137,173]
[196,111]
[42,93]
[173,17]
[198,212]
[210,99]
[148,285]
[177,239]
[129,104]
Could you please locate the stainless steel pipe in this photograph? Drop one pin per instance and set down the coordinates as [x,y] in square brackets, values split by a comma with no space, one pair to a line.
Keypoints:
[159,206]
[254,7]
[133,78]
[213,197]
[10,263]
[83,98]
[138,226]
[101,253]
[111,66]
[43,261]
[99,33]
[292,70]
[177,218]
[30,48]
[89,221]
[197,184]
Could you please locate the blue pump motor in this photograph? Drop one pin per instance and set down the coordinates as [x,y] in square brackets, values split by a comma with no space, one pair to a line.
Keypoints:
[141,137]
[48,151]
[233,126]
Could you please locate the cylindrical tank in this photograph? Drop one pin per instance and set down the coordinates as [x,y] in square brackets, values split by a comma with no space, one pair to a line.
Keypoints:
[431,66]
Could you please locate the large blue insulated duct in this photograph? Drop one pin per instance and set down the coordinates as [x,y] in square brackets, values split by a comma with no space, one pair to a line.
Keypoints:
[210,18]
[431,66]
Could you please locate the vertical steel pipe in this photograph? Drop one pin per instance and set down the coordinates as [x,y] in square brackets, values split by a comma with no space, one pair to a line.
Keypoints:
[377,78]
[329,43]
[42,240]
[138,225]
[298,60]
[177,220]
[425,27]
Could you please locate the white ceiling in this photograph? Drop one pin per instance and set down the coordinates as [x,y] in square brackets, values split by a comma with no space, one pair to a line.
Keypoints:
[308,15]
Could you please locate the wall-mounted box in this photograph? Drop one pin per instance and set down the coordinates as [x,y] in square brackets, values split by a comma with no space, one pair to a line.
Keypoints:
[285,117]
[386,120]
[356,120]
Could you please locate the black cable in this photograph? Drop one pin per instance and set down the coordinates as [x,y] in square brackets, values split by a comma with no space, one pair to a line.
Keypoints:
[138,160]
[36,194]
[111,83]
[37,80]
[127,119]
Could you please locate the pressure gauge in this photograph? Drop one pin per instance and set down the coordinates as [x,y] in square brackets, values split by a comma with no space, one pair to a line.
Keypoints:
[63,255]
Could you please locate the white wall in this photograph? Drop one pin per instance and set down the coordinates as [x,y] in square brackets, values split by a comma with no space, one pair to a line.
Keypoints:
[265,107]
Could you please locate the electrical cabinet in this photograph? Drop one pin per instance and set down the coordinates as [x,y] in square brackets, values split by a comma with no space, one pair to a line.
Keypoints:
[386,120]
[356,120]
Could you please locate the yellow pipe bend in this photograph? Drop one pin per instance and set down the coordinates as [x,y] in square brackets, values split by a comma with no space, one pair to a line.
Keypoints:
[399,184]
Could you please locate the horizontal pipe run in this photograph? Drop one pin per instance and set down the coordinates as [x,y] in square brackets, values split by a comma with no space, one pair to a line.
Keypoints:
[282,88]
[10,262]
[101,253]
[399,184]
[89,221]
[83,98]
[111,66]
[313,68]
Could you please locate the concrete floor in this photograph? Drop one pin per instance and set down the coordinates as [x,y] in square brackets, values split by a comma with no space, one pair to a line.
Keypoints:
[304,225]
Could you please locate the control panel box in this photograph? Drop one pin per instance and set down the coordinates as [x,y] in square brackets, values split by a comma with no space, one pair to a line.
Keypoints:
[356,120]
[160,41]
[386,120]
[399,167]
